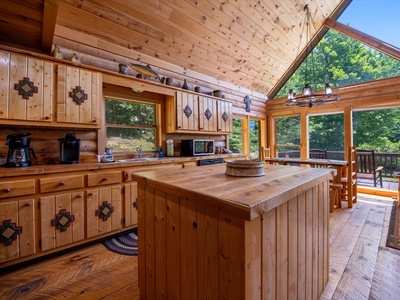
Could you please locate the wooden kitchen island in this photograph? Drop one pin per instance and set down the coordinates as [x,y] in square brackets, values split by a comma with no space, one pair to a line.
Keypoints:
[206,235]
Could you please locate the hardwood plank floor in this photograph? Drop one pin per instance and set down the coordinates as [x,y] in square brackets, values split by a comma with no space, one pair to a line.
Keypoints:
[361,266]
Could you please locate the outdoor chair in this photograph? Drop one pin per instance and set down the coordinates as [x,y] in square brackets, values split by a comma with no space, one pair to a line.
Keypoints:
[265,153]
[366,167]
[318,154]
[349,180]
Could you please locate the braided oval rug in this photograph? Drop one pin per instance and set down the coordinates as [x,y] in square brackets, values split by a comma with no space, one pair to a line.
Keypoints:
[125,244]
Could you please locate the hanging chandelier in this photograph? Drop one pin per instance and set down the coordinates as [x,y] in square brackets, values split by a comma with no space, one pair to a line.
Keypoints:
[307,97]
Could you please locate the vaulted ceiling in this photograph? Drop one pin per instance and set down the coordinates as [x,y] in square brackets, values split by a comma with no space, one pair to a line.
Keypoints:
[248,45]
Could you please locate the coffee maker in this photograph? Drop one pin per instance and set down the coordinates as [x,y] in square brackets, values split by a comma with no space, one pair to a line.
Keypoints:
[19,150]
[69,149]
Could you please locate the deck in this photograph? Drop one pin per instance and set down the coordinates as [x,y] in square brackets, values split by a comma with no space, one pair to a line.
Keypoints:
[361,266]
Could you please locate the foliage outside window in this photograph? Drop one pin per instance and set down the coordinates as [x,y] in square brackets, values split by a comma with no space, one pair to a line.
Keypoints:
[236,138]
[288,136]
[340,61]
[326,132]
[130,124]
[254,139]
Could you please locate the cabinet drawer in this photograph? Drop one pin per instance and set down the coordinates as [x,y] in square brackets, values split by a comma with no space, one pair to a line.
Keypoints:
[17,188]
[104,178]
[61,183]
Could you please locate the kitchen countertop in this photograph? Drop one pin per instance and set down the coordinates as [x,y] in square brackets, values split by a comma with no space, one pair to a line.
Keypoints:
[245,197]
[89,166]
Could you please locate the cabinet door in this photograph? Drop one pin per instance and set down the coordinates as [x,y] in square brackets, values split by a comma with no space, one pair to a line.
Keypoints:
[103,207]
[208,114]
[187,111]
[130,204]
[78,96]
[225,116]
[26,88]
[17,228]
[62,219]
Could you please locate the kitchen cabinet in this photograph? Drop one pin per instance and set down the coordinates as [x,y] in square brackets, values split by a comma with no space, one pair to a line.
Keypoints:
[62,219]
[225,117]
[78,96]
[17,229]
[104,210]
[187,112]
[130,204]
[208,114]
[26,89]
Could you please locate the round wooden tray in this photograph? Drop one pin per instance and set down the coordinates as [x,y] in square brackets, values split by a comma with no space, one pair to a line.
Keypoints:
[244,168]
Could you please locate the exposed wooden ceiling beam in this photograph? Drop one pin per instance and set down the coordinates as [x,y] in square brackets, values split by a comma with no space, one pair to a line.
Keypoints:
[49,24]
[364,38]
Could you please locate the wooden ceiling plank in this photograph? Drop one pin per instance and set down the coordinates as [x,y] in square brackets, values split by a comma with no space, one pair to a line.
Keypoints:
[12,7]
[113,29]
[49,24]
[150,59]
[364,38]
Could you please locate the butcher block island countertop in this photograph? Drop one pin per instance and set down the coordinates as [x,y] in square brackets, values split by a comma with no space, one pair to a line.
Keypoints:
[207,235]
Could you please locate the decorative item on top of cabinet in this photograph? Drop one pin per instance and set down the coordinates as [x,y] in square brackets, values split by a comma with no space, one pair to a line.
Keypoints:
[57,52]
[17,229]
[27,86]
[78,96]
[75,59]
[185,86]
[147,70]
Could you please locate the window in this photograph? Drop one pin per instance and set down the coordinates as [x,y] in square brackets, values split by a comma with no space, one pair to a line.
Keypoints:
[236,138]
[254,139]
[130,124]
[288,136]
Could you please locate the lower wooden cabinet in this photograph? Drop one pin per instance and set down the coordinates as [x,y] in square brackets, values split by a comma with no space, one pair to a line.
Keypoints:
[130,194]
[17,229]
[62,220]
[104,210]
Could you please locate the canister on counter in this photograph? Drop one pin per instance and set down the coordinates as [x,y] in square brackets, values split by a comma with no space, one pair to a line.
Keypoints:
[170,147]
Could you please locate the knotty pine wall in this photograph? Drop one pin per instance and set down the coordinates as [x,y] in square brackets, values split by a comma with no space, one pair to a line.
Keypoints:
[46,145]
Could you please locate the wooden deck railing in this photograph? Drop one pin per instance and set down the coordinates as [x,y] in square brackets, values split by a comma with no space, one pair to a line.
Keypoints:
[389,161]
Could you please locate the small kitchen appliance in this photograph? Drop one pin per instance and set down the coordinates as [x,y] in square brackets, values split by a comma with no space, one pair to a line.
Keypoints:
[69,149]
[197,147]
[19,150]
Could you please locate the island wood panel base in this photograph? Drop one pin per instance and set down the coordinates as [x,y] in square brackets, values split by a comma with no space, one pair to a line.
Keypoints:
[190,250]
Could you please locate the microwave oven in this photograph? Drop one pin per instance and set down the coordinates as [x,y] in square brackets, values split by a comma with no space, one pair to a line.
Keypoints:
[197,147]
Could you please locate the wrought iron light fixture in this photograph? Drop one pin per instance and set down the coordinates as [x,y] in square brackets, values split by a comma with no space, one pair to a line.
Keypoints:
[307,97]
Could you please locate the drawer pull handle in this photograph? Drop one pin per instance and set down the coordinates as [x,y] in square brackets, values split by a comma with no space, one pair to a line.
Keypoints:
[27,204]
[126,176]
[7,190]
[62,183]
[104,179]
[90,194]
[94,121]
[78,196]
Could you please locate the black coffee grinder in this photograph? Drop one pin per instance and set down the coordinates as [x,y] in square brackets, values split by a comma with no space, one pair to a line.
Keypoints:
[69,149]
[19,150]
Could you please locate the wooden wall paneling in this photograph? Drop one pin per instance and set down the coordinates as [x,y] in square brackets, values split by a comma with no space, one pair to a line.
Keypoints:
[253,259]
[4,83]
[130,199]
[47,213]
[78,209]
[92,204]
[230,257]
[9,211]
[207,245]
[26,218]
[17,105]
[160,209]
[282,252]
[293,248]
[301,247]
[149,289]
[309,244]
[63,201]
[142,246]
[270,231]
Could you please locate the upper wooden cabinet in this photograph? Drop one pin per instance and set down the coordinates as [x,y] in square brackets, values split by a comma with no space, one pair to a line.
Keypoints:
[187,112]
[26,88]
[78,96]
